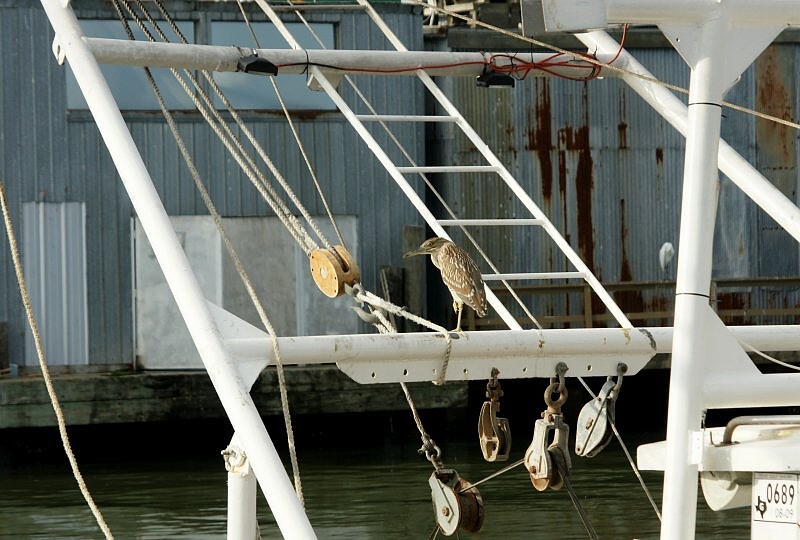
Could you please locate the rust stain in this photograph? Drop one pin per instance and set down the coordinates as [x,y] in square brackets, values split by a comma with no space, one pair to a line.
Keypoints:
[622,130]
[628,301]
[661,304]
[773,97]
[622,126]
[733,300]
[584,185]
[576,142]
[539,138]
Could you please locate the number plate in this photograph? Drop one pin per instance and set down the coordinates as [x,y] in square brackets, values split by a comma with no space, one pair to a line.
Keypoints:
[775,498]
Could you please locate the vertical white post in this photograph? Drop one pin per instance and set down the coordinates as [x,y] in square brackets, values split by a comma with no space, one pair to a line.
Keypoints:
[242,522]
[698,215]
[232,391]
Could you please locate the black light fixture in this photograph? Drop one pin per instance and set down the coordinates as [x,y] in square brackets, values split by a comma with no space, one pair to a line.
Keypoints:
[493,79]
[255,64]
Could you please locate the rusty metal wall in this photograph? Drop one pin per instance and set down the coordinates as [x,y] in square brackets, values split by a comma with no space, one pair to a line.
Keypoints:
[607,170]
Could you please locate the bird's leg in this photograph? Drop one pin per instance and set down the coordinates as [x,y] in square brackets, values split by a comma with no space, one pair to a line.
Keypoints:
[458,310]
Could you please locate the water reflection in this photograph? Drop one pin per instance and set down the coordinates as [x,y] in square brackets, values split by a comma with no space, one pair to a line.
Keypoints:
[373,493]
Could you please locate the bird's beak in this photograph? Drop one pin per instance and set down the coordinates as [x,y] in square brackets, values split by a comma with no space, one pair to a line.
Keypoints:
[418,251]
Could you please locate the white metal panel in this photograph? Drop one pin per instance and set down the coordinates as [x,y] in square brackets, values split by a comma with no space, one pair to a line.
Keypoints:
[278,270]
[54,248]
[162,339]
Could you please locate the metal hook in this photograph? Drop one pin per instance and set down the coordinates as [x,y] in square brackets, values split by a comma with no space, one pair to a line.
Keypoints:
[561,370]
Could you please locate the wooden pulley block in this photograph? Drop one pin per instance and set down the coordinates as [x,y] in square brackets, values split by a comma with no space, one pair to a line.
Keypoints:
[330,272]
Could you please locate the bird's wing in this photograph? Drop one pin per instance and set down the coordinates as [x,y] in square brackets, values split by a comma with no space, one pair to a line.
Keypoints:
[463,277]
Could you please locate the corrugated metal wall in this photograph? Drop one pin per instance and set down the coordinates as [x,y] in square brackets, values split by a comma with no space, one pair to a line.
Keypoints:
[603,166]
[50,154]
[607,169]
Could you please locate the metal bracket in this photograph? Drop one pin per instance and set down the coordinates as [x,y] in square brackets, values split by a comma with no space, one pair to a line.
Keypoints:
[236,461]
[58,51]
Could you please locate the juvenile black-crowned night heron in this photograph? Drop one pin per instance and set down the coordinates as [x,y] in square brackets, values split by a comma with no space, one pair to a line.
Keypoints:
[459,273]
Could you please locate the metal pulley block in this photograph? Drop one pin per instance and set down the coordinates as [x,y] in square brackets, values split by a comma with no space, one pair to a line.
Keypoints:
[596,417]
[494,433]
[456,504]
[550,442]
[332,269]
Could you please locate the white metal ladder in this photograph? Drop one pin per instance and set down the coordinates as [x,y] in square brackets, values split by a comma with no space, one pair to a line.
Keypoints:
[493,165]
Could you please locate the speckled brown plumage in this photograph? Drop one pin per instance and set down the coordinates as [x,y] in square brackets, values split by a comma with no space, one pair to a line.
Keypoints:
[459,272]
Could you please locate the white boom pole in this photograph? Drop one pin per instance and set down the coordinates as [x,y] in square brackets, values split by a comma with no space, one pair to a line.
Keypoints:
[233,393]
[289,61]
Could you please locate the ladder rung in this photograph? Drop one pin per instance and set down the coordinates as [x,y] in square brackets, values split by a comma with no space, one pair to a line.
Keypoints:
[404,118]
[534,275]
[448,168]
[489,222]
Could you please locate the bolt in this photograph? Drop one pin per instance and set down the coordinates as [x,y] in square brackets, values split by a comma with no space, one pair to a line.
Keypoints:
[445,511]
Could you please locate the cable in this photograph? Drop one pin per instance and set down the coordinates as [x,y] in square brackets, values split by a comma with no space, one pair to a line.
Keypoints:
[627,454]
[48,380]
[300,145]
[237,264]
[768,357]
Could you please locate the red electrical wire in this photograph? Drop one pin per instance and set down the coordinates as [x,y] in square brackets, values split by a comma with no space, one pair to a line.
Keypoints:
[516,67]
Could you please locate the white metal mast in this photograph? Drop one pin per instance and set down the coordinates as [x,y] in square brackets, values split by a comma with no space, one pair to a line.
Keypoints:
[234,393]
[718,40]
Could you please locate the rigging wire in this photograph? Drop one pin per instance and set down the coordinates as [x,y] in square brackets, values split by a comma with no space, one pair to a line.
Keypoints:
[204,105]
[766,356]
[237,264]
[576,502]
[48,380]
[532,41]
[423,176]
[300,144]
[627,454]
[300,234]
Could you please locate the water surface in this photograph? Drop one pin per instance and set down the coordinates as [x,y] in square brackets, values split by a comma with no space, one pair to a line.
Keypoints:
[372,493]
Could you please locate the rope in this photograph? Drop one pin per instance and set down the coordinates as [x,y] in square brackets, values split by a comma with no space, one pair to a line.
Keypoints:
[362,295]
[432,452]
[236,262]
[587,58]
[429,448]
[48,381]
[300,144]
[248,134]
[423,176]
[231,142]
[627,455]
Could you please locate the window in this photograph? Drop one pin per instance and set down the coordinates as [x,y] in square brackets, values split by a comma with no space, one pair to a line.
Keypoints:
[128,83]
[252,91]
